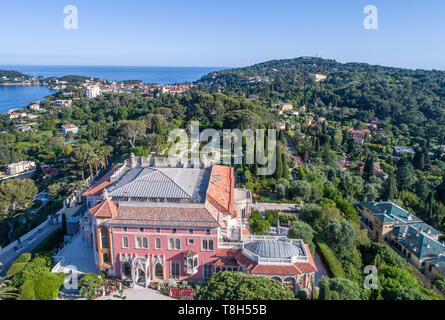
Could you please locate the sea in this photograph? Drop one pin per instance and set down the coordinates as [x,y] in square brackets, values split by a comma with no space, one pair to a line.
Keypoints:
[19,96]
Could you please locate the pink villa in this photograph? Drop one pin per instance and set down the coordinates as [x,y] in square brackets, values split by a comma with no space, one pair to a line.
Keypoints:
[148,222]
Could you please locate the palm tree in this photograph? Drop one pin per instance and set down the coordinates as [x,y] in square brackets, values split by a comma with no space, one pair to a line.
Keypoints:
[6,291]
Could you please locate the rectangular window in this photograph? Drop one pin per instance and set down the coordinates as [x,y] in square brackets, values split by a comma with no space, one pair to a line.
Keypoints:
[124,242]
[124,229]
[208,270]
[145,243]
[171,244]
[158,243]
[190,242]
[158,230]
[178,244]
[138,243]
[141,229]
[206,245]
[243,213]
[207,231]
[190,231]
[175,269]
[173,230]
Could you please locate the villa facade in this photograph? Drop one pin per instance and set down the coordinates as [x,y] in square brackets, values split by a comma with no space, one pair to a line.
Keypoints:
[151,223]
[420,244]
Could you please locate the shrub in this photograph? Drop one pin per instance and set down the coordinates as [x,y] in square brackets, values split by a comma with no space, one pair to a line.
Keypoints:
[228,285]
[15,269]
[47,257]
[302,295]
[27,291]
[90,277]
[88,288]
[339,289]
[272,217]
[47,287]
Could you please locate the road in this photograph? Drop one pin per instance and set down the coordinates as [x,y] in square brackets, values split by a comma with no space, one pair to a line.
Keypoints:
[293,151]
[9,256]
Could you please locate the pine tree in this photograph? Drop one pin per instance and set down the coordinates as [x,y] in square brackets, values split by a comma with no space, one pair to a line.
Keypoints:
[390,191]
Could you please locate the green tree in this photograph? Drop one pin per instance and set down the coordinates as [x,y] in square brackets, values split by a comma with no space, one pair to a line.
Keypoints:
[390,191]
[230,285]
[300,188]
[419,160]
[340,236]
[300,230]
[405,177]
[16,195]
[338,289]
[368,170]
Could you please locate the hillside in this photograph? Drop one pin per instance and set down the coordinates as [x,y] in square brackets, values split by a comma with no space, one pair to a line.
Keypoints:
[352,90]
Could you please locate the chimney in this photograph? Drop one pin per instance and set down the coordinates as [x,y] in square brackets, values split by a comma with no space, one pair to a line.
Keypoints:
[132,160]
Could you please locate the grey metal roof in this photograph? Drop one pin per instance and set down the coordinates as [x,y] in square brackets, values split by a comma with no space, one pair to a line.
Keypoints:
[173,183]
[274,249]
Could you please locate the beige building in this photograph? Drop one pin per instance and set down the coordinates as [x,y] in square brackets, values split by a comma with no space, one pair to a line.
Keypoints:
[20,167]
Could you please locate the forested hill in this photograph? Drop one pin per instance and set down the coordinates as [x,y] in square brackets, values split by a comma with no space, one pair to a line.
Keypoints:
[12,74]
[351,90]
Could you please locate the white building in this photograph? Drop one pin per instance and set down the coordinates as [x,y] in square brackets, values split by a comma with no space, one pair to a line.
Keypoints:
[20,167]
[61,103]
[92,92]
[34,106]
[318,77]
[67,128]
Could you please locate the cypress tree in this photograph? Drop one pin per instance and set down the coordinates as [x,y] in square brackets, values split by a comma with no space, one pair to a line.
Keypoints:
[368,170]
[279,164]
[419,160]
[286,172]
[390,191]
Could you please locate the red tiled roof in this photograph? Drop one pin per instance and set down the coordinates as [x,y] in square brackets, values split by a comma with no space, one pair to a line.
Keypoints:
[69,126]
[190,253]
[221,189]
[312,264]
[104,182]
[164,216]
[254,268]
[104,209]
[267,269]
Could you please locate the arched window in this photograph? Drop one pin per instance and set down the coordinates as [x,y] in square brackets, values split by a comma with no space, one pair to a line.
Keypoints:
[105,237]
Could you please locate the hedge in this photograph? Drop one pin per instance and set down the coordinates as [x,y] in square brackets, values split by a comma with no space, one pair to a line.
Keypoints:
[23,258]
[50,242]
[334,264]
[27,291]
[15,268]
[47,287]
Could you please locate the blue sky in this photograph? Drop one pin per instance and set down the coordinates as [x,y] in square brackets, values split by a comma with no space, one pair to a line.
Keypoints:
[223,33]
